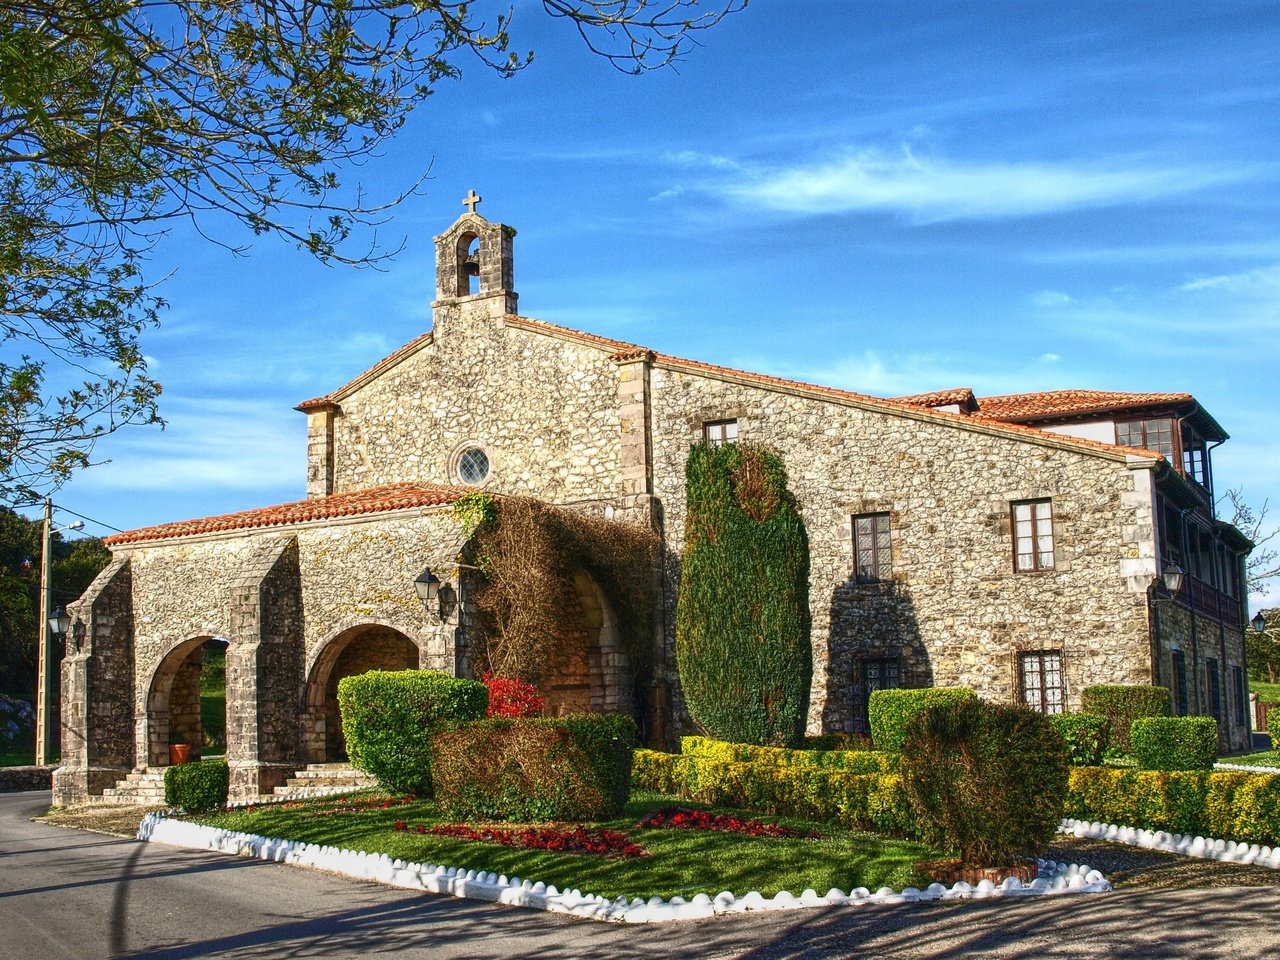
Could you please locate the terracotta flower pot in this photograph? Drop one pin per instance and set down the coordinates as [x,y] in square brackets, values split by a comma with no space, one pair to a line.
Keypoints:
[949,872]
[179,753]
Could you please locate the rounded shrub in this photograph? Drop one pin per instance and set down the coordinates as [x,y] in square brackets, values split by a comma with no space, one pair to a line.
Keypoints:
[1085,735]
[388,718]
[985,781]
[1174,743]
[530,769]
[889,711]
[742,613]
[197,787]
[1121,705]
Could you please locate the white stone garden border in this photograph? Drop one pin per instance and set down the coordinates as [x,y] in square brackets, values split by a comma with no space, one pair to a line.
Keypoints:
[1056,878]
[1206,848]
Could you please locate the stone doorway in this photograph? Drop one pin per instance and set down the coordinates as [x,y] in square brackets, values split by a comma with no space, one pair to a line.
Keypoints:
[174,701]
[590,672]
[352,652]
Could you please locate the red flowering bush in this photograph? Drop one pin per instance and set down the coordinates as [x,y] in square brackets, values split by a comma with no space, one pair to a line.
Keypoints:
[511,697]
[684,818]
[601,843]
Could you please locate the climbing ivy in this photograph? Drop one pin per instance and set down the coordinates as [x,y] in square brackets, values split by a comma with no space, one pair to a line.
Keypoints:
[742,613]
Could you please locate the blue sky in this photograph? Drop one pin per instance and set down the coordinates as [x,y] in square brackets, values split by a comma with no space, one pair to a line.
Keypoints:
[890,197]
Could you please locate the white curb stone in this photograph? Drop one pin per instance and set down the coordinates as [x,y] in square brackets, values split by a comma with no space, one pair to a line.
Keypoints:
[1204,848]
[1055,878]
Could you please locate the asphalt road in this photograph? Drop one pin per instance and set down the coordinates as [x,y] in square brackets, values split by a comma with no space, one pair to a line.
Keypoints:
[65,893]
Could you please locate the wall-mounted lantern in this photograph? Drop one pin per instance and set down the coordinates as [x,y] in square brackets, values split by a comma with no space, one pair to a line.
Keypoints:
[1259,622]
[1172,577]
[436,594]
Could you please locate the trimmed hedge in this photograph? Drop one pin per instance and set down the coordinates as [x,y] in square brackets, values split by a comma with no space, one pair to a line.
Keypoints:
[197,787]
[388,718]
[1174,743]
[986,781]
[743,649]
[859,801]
[535,768]
[1085,735]
[1227,804]
[846,761]
[889,711]
[1121,705]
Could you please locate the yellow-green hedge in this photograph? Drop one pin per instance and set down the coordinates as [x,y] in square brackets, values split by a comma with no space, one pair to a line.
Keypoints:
[846,761]
[874,801]
[1230,805]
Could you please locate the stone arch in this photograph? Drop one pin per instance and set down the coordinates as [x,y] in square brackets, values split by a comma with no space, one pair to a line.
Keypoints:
[171,706]
[590,671]
[352,650]
[467,255]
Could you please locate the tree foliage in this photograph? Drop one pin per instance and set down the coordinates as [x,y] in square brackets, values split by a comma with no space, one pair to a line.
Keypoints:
[75,564]
[1264,562]
[1262,650]
[742,615]
[119,118]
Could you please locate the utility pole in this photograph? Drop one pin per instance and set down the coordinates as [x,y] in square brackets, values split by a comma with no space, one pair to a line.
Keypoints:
[48,674]
[46,694]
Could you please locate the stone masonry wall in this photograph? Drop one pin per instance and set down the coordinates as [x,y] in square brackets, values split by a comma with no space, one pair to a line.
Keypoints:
[956,611]
[544,409]
[1210,641]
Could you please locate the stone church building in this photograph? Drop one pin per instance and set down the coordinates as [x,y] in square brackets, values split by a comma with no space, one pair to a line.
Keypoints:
[1011,544]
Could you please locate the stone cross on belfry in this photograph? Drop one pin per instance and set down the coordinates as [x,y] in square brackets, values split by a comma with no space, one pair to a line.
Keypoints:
[470,201]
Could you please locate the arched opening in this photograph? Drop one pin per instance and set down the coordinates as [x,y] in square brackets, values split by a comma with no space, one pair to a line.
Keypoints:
[352,652]
[186,702]
[468,260]
[590,671]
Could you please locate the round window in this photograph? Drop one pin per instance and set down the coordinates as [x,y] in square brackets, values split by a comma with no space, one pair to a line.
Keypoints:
[473,466]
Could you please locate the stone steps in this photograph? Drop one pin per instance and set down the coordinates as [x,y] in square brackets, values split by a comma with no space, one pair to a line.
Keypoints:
[138,789]
[320,778]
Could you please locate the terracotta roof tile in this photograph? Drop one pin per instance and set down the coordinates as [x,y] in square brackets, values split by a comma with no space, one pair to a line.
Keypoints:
[394,496]
[962,396]
[1057,403]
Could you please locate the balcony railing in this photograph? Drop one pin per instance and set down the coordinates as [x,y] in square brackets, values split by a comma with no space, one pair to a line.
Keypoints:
[1207,599]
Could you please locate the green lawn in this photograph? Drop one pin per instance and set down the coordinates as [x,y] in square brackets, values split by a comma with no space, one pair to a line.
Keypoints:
[680,862]
[18,758]
[213,698]
[1267,692]
[1264,758]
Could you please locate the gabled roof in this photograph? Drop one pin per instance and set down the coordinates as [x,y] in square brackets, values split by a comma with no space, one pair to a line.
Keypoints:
[393,496]
[621,351]
[1052,404]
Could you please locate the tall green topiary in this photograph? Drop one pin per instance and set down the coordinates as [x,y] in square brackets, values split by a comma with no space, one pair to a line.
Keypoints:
[742,614]
[388,718]
[1174,743]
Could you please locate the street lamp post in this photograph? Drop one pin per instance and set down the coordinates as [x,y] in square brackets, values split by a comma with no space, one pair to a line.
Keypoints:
[46,670]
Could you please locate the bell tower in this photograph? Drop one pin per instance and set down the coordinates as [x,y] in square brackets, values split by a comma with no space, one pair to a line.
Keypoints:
[474,274]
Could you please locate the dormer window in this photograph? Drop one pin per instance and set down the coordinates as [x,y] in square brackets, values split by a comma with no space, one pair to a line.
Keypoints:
[1155,434]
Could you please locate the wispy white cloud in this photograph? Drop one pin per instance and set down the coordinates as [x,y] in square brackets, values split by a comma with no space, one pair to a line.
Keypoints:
[207,445]
[933,189]
[1265,280]
[706,161]
[1051,298]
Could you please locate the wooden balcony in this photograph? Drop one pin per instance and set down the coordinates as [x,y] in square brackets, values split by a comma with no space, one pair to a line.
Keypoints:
[1206,599]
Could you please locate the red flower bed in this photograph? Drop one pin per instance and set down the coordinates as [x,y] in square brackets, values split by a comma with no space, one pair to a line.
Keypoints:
[601,843]
[683,818]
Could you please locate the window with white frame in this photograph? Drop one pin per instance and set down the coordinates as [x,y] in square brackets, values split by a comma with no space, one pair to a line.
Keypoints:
[717,432]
